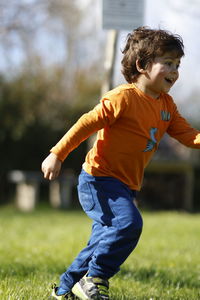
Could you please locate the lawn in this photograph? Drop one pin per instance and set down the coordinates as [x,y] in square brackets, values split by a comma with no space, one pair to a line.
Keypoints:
[37,247]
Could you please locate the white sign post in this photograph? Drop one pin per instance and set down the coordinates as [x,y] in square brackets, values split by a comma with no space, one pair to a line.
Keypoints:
[122,14]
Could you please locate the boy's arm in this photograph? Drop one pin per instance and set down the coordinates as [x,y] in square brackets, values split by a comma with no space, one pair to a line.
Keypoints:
[80,131]
[182,131]
[104,114]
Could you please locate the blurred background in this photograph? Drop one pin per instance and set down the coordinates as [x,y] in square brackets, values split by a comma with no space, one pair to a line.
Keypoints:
[52,68]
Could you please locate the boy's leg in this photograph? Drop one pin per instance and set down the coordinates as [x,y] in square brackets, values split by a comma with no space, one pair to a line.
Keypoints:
[108,200]
[119,238]
[113,249]
[79,267]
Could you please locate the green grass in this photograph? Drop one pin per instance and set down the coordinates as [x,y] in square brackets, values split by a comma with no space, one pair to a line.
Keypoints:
[36,248]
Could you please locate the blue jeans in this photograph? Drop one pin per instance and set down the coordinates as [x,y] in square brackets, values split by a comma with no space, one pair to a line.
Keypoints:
[117,225]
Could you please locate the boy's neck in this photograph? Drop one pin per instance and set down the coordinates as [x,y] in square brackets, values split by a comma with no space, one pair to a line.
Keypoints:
[142,87]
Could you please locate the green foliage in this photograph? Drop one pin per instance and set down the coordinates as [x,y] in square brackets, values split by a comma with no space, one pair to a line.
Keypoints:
[37,107]
[36,110]
[39,246]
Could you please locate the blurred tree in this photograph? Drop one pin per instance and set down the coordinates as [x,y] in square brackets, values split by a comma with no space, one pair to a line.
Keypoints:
[34,107]
[55,31]
[34,113]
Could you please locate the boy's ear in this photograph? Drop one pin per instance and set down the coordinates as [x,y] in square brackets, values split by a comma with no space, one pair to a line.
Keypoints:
[139,68]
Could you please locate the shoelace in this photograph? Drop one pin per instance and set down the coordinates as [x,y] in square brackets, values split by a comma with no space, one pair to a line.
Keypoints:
[100,287]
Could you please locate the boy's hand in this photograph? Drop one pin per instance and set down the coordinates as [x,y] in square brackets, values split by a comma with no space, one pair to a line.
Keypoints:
[51,166]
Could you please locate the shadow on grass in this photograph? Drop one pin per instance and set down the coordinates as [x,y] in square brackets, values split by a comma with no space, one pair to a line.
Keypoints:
[22,270]
[175,278]
[166,277]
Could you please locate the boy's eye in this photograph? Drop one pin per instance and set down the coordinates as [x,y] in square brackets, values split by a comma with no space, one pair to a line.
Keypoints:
[168,63]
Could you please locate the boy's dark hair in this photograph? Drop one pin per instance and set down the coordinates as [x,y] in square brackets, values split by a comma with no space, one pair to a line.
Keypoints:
[144,44]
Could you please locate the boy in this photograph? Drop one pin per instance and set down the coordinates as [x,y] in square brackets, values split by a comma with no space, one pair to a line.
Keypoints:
[130,121]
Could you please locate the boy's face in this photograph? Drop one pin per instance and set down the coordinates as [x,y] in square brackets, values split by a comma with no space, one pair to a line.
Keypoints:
[162,74]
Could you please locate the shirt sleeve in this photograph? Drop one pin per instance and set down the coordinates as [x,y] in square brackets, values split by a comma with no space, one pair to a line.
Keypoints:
[104,114]
[182,131]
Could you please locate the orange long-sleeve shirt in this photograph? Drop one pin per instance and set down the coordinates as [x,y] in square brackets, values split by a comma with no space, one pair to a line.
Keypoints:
[130,125]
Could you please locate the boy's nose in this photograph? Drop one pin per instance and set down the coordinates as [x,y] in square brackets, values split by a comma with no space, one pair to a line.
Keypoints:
[174,68]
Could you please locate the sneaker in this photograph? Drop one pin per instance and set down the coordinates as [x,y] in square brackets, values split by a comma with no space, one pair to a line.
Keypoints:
[68,295]
[92,288]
